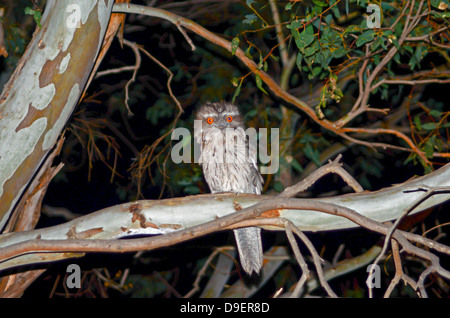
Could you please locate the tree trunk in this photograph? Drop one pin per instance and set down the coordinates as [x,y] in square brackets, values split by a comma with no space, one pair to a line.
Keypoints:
[35,107]
[44,89]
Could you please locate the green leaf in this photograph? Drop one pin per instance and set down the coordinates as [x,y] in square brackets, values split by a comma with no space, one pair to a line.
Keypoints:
[247,53]
[250,18]
[335,9]
[261,61]
[367,36]
[299,60]
[441,15]
[376,44]
[429,126]
[309,51]
[29,11]
[312,154]
[305,38]
[420,52]
[428,148]
[418,122]
[320,3]
[259,84]
[251,114]
[36,15]
[236,92]
[297,24]
[234,45]
[340,52]
[278,186]
[435,113]
[316,71]
[328,19]
[391,38]
[192,190]
[352,29]
[296,165]
[37,18]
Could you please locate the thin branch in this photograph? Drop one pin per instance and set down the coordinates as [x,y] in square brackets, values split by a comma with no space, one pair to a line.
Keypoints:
[410,82]
[290,228]
[279,30]
[429,192]
[399,134]
[399,273]
[169,80]
[332,167]
[426,36]
[205,266]
[135,49]
[188,39]
[115,71]
[300,260]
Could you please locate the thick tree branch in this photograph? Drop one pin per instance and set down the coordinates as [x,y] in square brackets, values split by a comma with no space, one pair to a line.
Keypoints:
[182,219]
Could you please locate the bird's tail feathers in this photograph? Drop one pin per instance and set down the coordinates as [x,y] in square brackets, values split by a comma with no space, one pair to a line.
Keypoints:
[248,241]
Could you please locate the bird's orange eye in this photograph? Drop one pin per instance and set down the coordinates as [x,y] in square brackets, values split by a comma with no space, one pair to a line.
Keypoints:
[210,120]
[229,119]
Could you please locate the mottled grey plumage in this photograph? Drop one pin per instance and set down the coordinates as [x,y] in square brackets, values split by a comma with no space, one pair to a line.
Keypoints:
[229,165]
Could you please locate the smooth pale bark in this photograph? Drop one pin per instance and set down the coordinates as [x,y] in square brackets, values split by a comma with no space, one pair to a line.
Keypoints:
[43,91]
[169,215]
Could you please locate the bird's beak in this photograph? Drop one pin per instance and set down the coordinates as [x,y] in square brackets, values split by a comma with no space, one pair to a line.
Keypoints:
[221,124]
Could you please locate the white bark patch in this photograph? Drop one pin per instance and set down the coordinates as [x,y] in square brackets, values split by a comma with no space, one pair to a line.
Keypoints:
[103,11]
[41,98]
[53,133]
[79,10]
[64,63]
[24,142]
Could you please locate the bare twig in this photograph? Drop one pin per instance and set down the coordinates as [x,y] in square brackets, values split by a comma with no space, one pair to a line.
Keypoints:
[205,266]
[411,82]
[399,134]
[399,273]
[169,80]
[280,37]
[290,228]
[429,192]
[332,167]
[188,39]
[300,260]
[115,71]
[135,49]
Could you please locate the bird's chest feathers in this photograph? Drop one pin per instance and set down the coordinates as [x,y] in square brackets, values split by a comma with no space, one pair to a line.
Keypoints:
[228,146]
[225,161]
